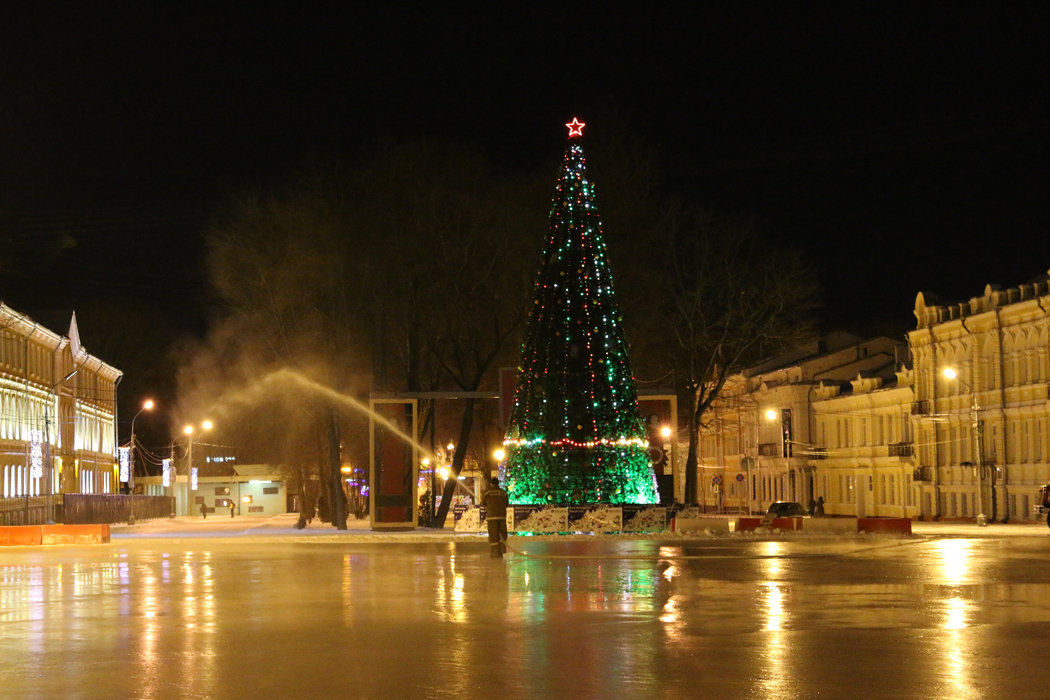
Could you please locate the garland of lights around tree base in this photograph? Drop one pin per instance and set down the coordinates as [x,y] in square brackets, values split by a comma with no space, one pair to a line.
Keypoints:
[575,434]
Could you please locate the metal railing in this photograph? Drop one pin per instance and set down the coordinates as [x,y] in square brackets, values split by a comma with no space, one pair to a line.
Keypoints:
[922,474]
[900,449]
[92,508]
[769,449]
[82,508]
[29,510]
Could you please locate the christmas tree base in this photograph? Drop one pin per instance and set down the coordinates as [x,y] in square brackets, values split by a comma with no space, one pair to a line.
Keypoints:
[577,517]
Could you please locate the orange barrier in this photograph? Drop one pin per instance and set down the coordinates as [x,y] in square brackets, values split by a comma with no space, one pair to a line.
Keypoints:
[75,534]
[33,535]
[900,526]
[20,535]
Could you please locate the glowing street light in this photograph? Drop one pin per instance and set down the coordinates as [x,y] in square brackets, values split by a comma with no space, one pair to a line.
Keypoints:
[665,432]
[147,405]
[950,373]
[499,454]
[189,431]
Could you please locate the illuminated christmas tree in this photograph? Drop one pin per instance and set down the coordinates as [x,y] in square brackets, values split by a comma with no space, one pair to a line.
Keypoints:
[575,434]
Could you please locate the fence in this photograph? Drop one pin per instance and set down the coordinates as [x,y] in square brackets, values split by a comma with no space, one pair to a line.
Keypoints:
[91,508]
[30,510]
[83,509]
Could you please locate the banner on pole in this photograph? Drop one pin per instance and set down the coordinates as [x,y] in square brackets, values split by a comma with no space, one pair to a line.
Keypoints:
[36,453]
[124,454]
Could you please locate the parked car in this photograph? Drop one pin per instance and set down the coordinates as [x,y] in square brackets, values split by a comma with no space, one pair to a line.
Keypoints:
[786,509]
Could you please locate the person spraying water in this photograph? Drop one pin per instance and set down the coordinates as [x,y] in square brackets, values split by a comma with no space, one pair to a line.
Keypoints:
[495,501]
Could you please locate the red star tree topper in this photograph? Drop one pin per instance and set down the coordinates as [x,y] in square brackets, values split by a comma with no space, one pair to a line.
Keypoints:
[576,127]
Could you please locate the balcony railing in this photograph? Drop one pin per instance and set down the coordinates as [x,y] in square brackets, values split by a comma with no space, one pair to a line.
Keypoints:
[769,449]
[901,449]
[922,474]
[920,408]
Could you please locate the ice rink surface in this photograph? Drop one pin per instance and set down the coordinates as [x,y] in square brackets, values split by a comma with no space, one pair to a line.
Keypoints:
[220,611]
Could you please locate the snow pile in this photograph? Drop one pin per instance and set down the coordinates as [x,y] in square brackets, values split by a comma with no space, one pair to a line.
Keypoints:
[649,520]
[470,520]
[544,520]
[600,519]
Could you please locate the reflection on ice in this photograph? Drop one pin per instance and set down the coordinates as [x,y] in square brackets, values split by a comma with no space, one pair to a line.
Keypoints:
[774,606]
[955,559]
[728,619]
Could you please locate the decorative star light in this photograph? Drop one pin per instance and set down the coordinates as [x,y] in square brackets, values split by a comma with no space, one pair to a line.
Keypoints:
[576,127]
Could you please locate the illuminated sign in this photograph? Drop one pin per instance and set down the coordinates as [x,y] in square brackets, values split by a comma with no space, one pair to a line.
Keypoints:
[193,479]
[125,463]
[36,453]
[167,473]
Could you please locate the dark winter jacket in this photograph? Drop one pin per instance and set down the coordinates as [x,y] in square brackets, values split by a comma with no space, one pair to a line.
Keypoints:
[495,501]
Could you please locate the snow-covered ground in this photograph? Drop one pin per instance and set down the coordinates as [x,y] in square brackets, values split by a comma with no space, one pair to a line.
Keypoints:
[283,526]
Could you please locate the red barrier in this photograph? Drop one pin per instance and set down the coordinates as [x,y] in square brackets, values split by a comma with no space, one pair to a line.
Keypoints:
[34,535]
[747,524]
[899,526]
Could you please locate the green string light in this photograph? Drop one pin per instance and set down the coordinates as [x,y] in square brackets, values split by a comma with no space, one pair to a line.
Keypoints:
[575,433]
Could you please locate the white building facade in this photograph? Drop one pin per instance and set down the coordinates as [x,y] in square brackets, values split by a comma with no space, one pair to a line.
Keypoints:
[997,344]
[57,413]
[877,429]
[785,431]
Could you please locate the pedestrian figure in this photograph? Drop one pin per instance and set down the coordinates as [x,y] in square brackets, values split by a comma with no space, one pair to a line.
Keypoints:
[231,509]
[819,511]
[204,511]
[495,501]
[812,506]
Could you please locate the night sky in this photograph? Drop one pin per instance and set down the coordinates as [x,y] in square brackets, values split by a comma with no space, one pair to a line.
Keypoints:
[898,149]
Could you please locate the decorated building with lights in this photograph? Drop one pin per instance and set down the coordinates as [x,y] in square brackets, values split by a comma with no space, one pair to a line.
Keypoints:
[575,434]
[955,425]
[58,411]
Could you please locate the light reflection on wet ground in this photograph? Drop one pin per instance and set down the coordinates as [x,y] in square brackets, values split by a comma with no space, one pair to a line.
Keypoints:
[719,618]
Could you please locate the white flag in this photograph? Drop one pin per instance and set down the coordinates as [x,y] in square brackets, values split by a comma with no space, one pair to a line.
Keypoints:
[74,338]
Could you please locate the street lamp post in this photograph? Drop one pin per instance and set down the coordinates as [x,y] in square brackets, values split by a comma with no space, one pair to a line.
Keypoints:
[771,415]
[147,405]
[49,458]
[189,463]
[950,373]
[189,432]
[498,454]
